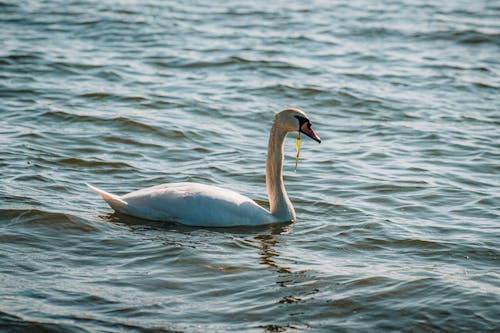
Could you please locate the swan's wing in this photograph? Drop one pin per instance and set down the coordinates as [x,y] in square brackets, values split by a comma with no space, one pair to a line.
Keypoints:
[124,207]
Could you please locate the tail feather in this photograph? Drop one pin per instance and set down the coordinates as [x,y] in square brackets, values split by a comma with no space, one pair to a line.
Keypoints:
[113,201]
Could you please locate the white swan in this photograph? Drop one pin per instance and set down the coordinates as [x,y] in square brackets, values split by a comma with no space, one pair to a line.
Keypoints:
[210,206]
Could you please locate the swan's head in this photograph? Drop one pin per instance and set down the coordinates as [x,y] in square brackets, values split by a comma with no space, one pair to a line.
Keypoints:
[295,120]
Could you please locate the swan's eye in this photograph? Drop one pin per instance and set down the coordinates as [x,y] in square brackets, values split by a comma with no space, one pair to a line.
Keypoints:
[302,121]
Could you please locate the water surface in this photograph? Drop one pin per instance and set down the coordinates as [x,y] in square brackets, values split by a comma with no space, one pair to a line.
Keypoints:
[398,208]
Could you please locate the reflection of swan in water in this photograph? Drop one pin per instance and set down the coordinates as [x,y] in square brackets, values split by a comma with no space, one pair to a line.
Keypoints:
[266,241]
[267,245]
[210,206]
[286,278]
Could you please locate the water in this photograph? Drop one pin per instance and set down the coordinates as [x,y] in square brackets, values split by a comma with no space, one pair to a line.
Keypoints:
[398,208]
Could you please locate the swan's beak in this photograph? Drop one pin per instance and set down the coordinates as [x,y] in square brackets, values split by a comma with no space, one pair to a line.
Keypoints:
[307,130]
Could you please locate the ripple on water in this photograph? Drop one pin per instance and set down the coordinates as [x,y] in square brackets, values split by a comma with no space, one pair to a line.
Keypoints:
[397,208]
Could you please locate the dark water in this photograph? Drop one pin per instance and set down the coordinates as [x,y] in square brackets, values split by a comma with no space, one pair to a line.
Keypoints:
[398,209]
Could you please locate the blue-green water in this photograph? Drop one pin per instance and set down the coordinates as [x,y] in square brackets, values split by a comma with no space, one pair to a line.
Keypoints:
[398,209]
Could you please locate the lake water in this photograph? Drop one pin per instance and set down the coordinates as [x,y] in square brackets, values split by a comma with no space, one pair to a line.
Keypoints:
[398,208]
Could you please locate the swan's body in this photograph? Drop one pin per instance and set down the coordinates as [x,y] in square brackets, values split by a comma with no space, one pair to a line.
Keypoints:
[210,206]
[191,204]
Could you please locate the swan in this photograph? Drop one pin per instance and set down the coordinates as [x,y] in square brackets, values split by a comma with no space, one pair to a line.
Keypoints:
[200,205]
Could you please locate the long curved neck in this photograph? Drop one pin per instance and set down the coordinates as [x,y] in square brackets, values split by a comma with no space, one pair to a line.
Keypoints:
[281,207]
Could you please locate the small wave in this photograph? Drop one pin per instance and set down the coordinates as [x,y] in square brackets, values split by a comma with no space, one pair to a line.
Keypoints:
[22,56]
[30,135]
[58,115]
[392,188]
[231,61]
[104,95]
[371,281]
[13,92]
[457,67]
[39,218]
[291,91]
[96,95]
[16,323]
[75,67]
[462,37]
[129,141]
[406,243]
[31,178]
[93,163]
[134,124]
[371,31]
[266,63]
[120,122]
[476,37]
[138,126]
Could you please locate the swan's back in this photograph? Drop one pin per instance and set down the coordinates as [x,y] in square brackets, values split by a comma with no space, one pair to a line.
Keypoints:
[194,204]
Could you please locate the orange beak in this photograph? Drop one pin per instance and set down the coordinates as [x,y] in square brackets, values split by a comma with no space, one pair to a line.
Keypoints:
[307,130]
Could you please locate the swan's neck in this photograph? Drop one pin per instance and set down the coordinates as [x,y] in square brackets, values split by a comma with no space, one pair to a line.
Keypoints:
[281,207]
